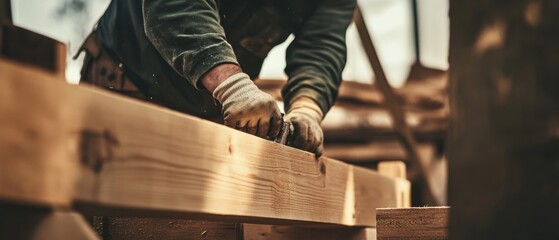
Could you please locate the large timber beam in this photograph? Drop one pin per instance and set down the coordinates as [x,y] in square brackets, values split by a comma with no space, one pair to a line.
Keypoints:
[63,144]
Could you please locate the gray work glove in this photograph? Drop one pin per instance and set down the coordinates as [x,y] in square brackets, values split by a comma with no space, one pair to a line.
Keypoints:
[247,108]
[306,115]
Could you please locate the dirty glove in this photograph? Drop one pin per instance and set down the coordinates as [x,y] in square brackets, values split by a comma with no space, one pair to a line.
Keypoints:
[306,115]
[247,108]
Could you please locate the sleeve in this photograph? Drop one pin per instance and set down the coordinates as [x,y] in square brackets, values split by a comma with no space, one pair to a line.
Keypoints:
[317,56]
[188,35]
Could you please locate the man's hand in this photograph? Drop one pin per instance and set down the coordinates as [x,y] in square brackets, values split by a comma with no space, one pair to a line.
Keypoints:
[247,108]
[306,115]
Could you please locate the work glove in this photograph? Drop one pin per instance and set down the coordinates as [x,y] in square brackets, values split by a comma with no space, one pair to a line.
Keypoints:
[305,116]
[247,108]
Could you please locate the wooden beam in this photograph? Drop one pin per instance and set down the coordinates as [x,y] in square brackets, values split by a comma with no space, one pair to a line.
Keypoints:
[124,228]
[268,232]
[412,223]
[397,170]
[126,157]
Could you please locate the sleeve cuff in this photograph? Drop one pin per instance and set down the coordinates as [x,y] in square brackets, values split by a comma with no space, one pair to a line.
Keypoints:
[310,93]
[208,59]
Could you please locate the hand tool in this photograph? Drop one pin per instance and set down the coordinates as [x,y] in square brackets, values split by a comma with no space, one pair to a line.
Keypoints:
[285,132]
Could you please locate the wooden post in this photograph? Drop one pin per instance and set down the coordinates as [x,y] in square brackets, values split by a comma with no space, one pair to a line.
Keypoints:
[397,170]
[504,135]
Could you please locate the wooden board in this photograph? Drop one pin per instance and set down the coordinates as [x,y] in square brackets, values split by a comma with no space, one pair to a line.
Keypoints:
[138,158]
[123,228]
[397,170]
[412,223]
[38,162]
[267,232]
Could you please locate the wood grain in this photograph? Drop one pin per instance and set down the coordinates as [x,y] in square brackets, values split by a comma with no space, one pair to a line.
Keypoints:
[121,228]
[412,223]
[268,232]
[38,162]
[397,171]
[140,158]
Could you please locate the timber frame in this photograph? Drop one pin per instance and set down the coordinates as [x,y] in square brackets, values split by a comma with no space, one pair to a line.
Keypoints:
[85,149]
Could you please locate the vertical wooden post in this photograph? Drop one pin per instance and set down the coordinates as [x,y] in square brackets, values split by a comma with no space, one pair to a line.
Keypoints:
[397,170]
[504,135]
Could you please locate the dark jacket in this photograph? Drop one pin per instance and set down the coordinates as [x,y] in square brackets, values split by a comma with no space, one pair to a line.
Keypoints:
[167,45]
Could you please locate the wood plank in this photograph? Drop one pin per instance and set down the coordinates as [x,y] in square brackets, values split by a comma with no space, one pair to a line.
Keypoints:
[138,158]
[123,228]
[38,162]
[268,232]
[412,223]
[397,170]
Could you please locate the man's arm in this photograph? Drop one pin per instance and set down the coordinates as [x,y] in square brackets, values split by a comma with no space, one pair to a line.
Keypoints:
[187,34]
[315,60]
[317,55]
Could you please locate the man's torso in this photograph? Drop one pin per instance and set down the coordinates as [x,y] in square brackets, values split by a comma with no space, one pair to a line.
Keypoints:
[252,28]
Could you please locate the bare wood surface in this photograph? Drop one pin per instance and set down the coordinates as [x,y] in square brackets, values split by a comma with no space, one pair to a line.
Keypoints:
[397,170]
[123,228]
[504,137]
[140,158]
[269,232]
[412,223]
[38,162]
